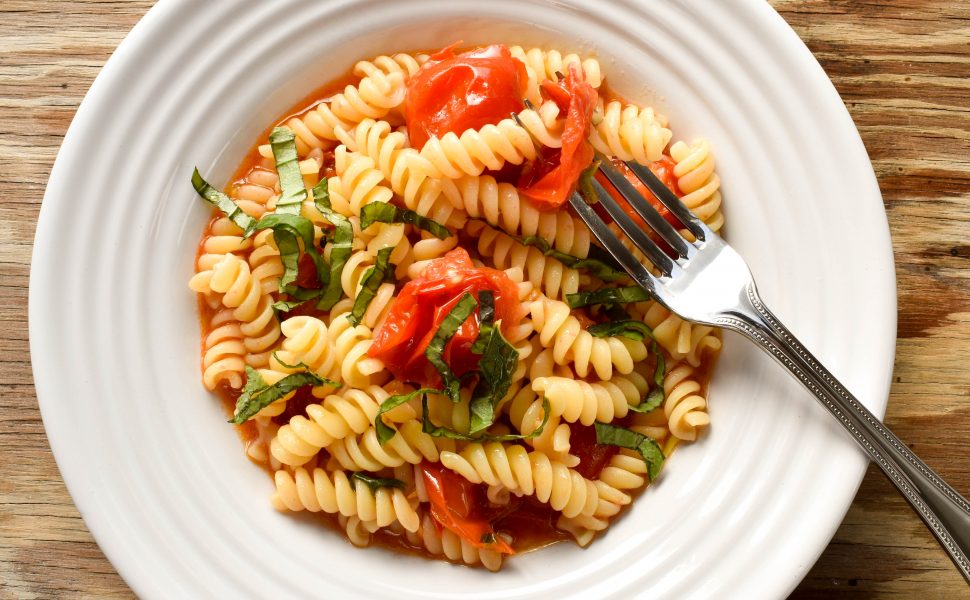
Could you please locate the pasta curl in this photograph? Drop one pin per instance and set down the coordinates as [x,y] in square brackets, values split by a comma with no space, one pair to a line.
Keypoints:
[576,400]
[629,133]
[684,403]
[409,445]
[698,181]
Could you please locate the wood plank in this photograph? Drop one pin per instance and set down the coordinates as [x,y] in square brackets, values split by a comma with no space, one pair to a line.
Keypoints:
[903,69]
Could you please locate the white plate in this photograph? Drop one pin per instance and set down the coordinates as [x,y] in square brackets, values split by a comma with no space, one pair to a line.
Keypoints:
[160,478]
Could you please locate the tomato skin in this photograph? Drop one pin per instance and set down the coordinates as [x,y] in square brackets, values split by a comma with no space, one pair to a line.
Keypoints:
[549,184]
[423,303]
[453,500]
[663,169]
[452,93]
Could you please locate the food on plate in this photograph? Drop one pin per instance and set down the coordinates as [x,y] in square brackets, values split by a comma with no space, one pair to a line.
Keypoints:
[416,336]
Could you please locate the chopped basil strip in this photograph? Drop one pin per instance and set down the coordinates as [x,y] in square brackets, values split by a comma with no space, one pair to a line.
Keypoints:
[496,367]
[299,365]
[373,278]
[632,329]
[617,295]
[380,212]
[449,326]
[385,432]
[376,483]
[596,266]
[288,231]
[257,394]
[343,241]
[586,179]
[443,432]
[655,395]
[284,306]
[652,455]
[293,192]
[223,203]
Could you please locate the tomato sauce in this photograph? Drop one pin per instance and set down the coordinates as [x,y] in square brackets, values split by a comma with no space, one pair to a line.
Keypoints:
[530,523]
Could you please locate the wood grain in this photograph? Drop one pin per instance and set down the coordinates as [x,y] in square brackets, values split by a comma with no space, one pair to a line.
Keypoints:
[903,69]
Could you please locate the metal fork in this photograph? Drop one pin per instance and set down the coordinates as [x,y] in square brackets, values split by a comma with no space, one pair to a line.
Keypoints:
[708,282]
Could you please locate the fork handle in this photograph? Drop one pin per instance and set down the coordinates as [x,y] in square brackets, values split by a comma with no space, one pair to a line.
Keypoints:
[945,512]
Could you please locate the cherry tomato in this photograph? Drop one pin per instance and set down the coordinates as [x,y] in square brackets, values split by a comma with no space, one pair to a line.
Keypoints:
[554,177]
[422,305]
[453,500]
[663,169]
[452,93]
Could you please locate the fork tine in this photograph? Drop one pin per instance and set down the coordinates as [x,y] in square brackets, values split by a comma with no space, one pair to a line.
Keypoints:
[630,263]
[671,201]
[636,234]
[646,210]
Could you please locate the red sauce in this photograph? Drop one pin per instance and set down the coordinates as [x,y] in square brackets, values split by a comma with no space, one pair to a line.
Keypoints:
[530,523]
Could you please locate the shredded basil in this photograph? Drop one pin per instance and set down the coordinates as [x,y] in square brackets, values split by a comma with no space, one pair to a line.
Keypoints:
[443,432]
[632,329]
[288,231]
[257,394]
[384,432]
[601,265]
[446,330]
[496,366]
[376,483]
[617,295]
[649,450]
[343,241]
[285,306]
[293,192]
[223,203]
[372,280]
[380,212]
[586,181]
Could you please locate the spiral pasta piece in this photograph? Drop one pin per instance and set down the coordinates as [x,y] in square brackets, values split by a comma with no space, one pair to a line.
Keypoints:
[572,344]
[350,412]
[364,452]
[553,278]
[241,291]
[629,133]
[576,400]
[405,64]
[681,339]
[336,493]
[490,147]
[526,415]
[373,97]
[410,174]
[698,182]
[223,352]
[439,541]
[501,206]
[350,344]
[356,184]
[257,191]
[223,237]
[265,263]
[684,403]
[527,473]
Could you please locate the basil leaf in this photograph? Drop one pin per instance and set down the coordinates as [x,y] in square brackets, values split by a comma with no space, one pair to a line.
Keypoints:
[299,365]
[284,306]
[385,432]
[257,395]
[376,483]
[223,203]
[496,367]
[617,295]
[586,182]
[287,230]
[649,450]
[293,192]
[343,241]
[443,432]
[380,212]
[446,330]
[632,329]
[372,280]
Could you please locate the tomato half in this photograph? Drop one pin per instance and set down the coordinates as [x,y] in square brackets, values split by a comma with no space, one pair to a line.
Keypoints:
[453,506]
[452,93]
[663,169]
[422,305]
[550,182]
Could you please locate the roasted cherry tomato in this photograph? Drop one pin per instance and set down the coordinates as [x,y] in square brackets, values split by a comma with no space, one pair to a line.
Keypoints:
[663,169]
[453,502]
[452,93]
[422,305]
[552,179]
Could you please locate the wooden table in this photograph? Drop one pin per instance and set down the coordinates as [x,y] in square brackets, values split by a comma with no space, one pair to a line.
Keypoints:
[903,69]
